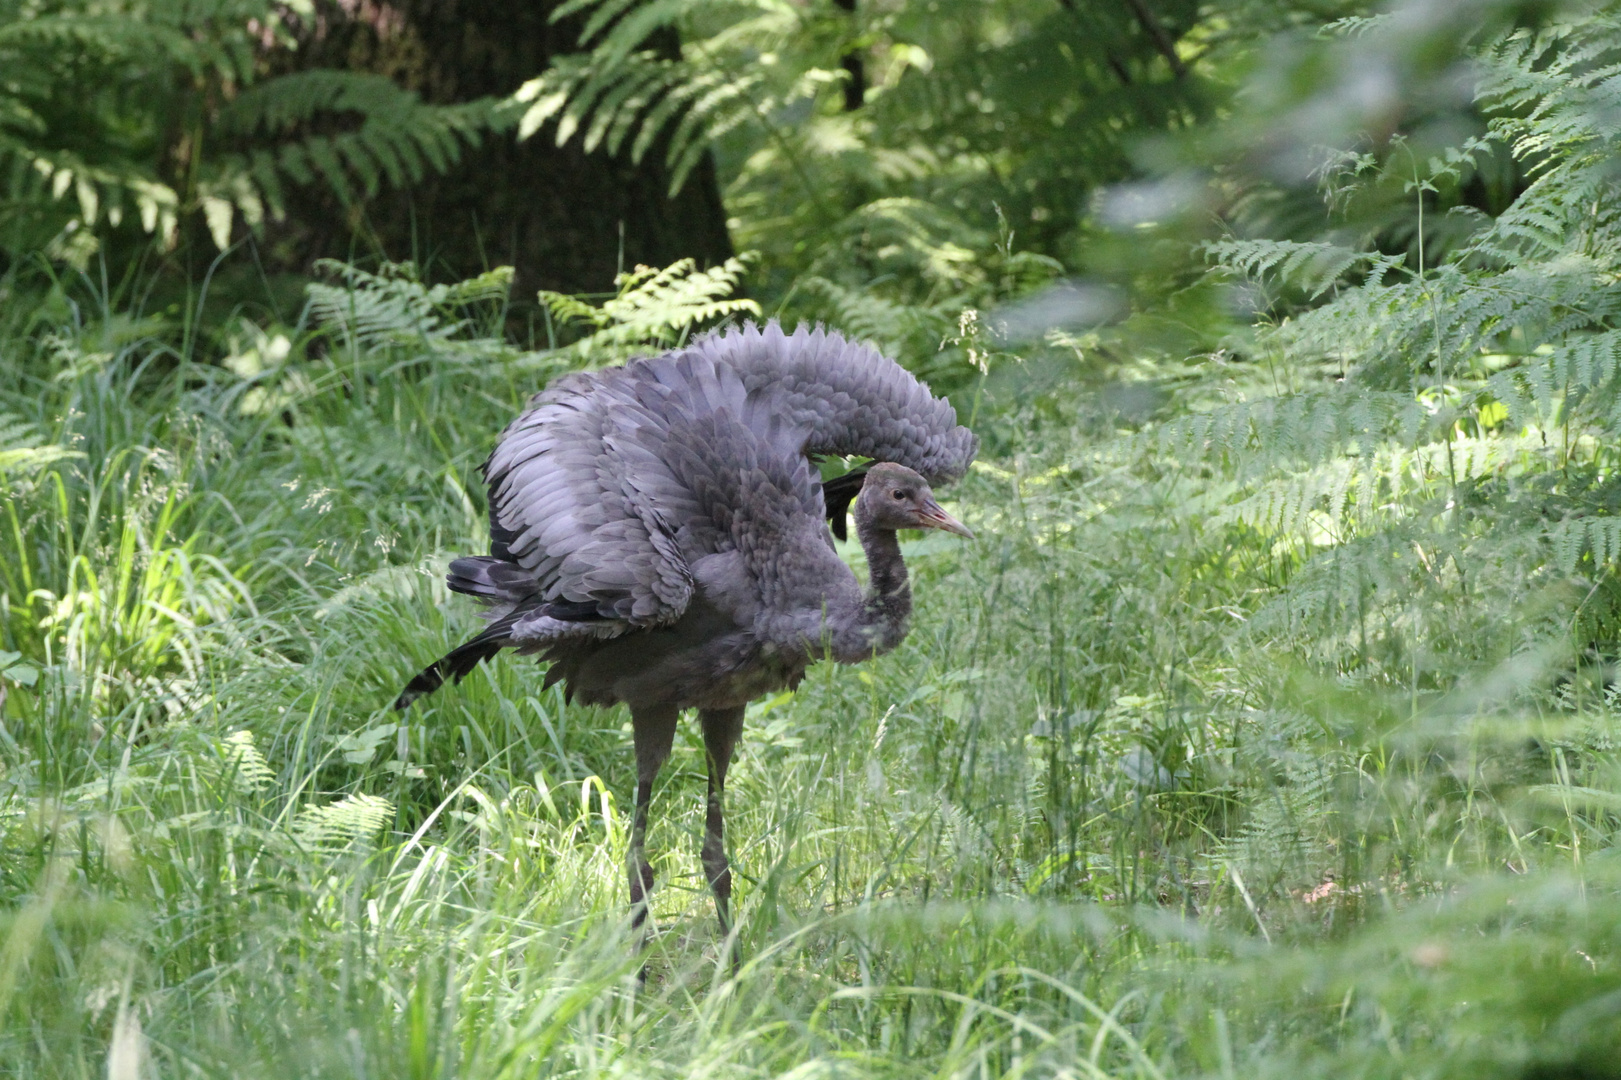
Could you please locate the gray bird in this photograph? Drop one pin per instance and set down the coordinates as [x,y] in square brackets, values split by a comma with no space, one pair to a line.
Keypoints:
[659,535]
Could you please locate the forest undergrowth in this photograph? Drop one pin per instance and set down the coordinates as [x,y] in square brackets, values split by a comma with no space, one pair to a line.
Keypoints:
[1269,728]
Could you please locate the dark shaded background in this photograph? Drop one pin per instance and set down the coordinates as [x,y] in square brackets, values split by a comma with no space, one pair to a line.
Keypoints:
[565,219]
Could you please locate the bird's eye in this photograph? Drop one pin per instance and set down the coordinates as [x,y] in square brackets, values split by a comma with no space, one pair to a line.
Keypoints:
[900,494]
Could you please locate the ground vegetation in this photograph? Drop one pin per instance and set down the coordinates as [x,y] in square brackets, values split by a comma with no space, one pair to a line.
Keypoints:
[1270,728]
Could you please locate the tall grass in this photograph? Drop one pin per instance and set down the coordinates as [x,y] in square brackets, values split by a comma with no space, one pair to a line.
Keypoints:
[1086,822]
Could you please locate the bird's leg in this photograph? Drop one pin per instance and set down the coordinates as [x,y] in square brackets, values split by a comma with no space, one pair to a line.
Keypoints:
[653,731]
[722,727]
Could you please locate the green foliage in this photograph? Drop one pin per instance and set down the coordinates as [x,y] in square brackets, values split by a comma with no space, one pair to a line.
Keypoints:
[392,310]
[1047,834]
[1269,729]
[653,310]
[150,117]
[1472,399]
[978,131]
[392,313]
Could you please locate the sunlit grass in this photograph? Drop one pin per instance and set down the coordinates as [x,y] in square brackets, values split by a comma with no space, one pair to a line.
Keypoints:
[1082,824]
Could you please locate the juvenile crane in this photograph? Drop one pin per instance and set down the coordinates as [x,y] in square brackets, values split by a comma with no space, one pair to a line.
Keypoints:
[659,535]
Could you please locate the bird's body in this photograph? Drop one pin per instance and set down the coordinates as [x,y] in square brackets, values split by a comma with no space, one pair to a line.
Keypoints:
[660,536]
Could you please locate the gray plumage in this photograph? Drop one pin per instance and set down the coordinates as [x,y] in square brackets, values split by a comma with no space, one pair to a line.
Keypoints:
[659,533]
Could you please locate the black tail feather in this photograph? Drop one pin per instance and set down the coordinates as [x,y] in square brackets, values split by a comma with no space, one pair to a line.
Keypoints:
[481,574]
[455,664]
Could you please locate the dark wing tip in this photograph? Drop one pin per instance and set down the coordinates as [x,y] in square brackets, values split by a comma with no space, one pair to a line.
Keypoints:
[501,539]
[427,681]
[574,610]
[457,662]
[837,495]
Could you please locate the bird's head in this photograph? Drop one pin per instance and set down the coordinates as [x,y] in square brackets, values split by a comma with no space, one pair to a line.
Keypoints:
[894,497]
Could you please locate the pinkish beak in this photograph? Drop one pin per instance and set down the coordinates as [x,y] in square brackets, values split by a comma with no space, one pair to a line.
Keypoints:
[931,516]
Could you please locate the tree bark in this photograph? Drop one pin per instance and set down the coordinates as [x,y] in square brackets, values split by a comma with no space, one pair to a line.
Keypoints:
[565,219]
[855,87]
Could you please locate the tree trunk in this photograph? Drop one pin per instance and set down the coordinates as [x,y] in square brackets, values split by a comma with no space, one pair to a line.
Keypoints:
[565,219]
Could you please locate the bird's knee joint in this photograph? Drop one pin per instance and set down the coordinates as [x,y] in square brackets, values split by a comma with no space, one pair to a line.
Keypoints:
[717,868]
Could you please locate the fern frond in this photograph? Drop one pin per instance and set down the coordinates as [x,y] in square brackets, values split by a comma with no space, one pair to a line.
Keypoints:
[687,102]
[353,820]
[900,329]
[1285,506]
[1303,428]
[653,308]
[1314,267]
[392,310]
[21,451]
[1596,537]
[244,764]
[116,171]
[399,139]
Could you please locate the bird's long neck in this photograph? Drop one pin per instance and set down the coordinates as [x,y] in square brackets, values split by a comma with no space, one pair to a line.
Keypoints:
[881,622]
[889,594]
